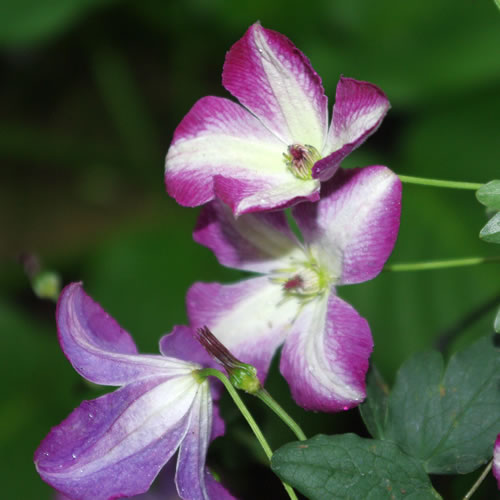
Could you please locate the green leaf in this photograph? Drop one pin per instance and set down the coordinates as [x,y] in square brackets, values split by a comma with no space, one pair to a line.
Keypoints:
[374,408]
[489,194]
[496,323]
[349,467]
[491,232]
[447,418]
[497,3]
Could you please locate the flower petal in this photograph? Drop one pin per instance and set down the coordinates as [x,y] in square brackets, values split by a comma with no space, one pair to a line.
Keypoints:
[276,82]
[220,137]
[358,111]
[99,349]
[355,224]
[250,317]
[496,460]
[115,445]
[325,356]
[192,477]
[259,194]
[253,242]
[181,344]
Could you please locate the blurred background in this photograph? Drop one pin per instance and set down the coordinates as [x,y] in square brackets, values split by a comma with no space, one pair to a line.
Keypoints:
[90,94]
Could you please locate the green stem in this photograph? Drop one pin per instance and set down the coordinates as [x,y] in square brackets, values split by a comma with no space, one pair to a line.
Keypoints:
[248,417]
[266,398]
[480,479]
[474,186]
[440,264]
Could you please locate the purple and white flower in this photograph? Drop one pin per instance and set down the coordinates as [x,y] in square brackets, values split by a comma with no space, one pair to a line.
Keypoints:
[347,237]
[115,445]
[496,460]
[274,149]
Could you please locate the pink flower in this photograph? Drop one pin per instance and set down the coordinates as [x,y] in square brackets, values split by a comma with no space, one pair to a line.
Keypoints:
[347,237]
[274,149]
[115,445]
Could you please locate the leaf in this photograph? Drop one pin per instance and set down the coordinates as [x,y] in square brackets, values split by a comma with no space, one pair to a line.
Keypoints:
[489,194]
[447,418]
[346,466]
[496,323]
[491,232]
[374,408]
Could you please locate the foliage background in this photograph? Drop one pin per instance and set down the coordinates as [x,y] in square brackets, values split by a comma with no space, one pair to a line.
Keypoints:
[90,94]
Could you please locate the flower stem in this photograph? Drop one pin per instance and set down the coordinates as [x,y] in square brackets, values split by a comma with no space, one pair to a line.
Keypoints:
[440,183]
[248,417]
[440,264]
[480,479]
[266,398]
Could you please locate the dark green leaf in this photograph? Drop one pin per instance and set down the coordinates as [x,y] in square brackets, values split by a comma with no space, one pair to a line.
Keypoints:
[349,467]
[489,194]
[449,419]
[491,232]
[374,409]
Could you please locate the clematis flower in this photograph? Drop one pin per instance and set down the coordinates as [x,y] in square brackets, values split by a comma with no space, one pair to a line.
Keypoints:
[274,149]
[496,460]
[347,237]
[115,445]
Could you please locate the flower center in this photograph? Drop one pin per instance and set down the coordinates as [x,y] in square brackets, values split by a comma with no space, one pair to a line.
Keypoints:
[305,281]
[300,160]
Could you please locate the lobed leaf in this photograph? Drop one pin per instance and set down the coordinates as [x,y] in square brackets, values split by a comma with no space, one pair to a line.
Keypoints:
[346,466]
[489,194]
[449,418]
[374,409]
[491,232]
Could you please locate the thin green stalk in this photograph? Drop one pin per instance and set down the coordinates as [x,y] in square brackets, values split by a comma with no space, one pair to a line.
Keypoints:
[248,417]
[440,264]
[480,479]
[266,398]
[474,186]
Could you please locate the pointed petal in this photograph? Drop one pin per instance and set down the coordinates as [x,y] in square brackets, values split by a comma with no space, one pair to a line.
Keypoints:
[115,445]
[359,110]
[250,318]
[253,242]
[99,349]
[220,137]
[325,356]
[355,224]
[181,344]
[496,460]
[192,477]
[261,194]
[276,82]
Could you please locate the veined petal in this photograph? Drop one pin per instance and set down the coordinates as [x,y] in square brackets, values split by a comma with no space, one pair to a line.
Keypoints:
[219,137]
[192,477]
[115,445]
[355,224]
[358,111]
[250,317]
[496,460]
[258,194]
[325,356]
[253,242]
[99,349]
[181,344]
[276,81]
